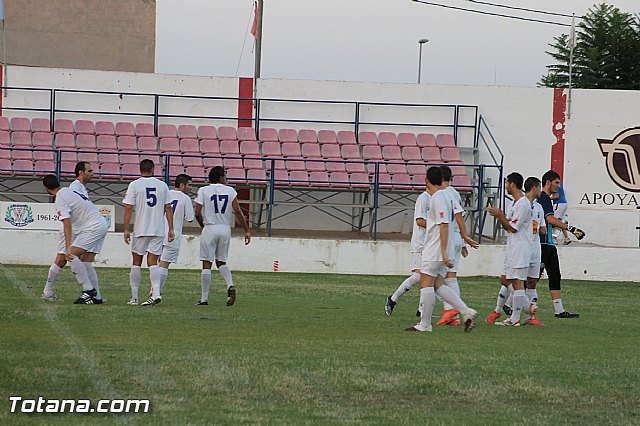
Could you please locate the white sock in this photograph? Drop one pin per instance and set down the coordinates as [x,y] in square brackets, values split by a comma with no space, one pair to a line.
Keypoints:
[154,277]
[518,304]
[226,275]
[532,293]
[503,294]
[93,277]
[557,306]
[78,269]
[452,283]
[54,270]
[134,280]
[164,272]
[428,302]
[406,286]
[452,298]
[205,281]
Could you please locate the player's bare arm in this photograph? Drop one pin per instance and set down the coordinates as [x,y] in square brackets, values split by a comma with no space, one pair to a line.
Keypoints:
[198,213]
[128,210]
[66,224]
[243,222]
[499,214]
[444,241]
[169,213]
[463,233]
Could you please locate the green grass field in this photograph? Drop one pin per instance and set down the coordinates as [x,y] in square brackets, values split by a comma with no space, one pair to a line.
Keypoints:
[314,349]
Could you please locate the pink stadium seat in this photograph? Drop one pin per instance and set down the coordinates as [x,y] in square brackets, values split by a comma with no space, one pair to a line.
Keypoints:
[382,168]
[108,158]
[355,167]
[367,138]
[227,133]
[401,181]
[5,137]
[335,166]
[67,168]
[426,139]
[105,142]
[4,152]
[89,157]
[192,162]
[232,163]
[69,156]
[445,141]
[147,143]
[299,178]
[249,147]
[418,180]
[271,149]
[129,159]
[307,136]
[109,170]
[210,162]
[252,163]
[359,180]
[236,175]
[372,152]
[327,136]
[387,139]
[175,170]
[189,146]
[246,134]
[339,179]
[319,179]
[169,145]
[346,137]
[167,131]
[315,166]
[85,141]
[350,152]
[21,124]
[329,151]
[268,134]
[278,164]
[396,169]
[144,130]
[63,126]
[450,155]
[130,169]
[209,146]
[153,156]
[256,176]
[384,180]
[411,153]
[44,166]
[457,170]
[310,150]
[391,153]
[407,139]
[417,169]
[462,183]
[21,154]
[85,127]
[39,155]
[21,139]
[23,167]
[105,128]
[207,132]
[65,140]
[4,123]
[291,149]
[187,131]
[42,139]
[431,154]
[196,173]
[287,135]
[40,125]
[281,177]
[124,128]
[229,147]
[127,143]
[295,165]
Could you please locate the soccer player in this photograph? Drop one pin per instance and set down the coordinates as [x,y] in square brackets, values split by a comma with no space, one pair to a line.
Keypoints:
[182,208]
[550,184]
[84,174]
[560,209]
[151,199]
[216,204]
[517,223]
[84,230]
[436,256]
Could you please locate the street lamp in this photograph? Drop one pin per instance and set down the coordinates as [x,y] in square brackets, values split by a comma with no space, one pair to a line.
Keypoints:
[421,42]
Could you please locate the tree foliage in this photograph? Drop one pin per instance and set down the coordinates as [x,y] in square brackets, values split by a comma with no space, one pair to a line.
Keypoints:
[606,55]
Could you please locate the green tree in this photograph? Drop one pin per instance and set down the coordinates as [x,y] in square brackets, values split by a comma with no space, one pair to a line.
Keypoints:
[606,55]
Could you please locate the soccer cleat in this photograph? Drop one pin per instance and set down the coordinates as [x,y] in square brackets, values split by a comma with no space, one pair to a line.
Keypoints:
[508,323]
[534,321]
[50,298]
[418,327]
[469,319]
[152,301]
[455,322]
[200,303]
[566,314]
[389,305]
[507,310]
[132,301]
[491,319]
[85,296]
[231,296]
[95,301]
[448,316]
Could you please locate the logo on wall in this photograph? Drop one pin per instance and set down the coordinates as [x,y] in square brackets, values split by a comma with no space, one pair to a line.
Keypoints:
[622,158]
[19,215]
[106,213]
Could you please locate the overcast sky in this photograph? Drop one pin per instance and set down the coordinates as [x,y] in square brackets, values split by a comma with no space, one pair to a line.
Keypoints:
[362,40]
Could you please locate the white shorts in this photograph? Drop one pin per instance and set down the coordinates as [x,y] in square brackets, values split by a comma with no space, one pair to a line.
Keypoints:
[560,210]
[517,273]
[534,270]
[416,261]
[142,245]
[214,243]
[91,240]
[433,268]
[457,254]
[170,254]
[62,244]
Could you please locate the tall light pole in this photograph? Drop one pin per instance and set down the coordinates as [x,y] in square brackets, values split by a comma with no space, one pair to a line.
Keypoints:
[421,42]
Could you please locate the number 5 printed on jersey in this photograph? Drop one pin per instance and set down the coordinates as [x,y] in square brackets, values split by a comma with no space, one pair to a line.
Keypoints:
[224,199]
[152,198]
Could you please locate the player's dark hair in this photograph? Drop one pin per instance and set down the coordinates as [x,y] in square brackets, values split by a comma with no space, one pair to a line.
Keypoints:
[446,173]
[182,178]
[146,166]
[80,166]
[551,175]
[51,182]
[216,174]
[515,178]
[434,175]
[531,183]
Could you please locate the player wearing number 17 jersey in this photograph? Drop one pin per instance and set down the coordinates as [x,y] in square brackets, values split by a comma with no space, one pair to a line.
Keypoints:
[216,205]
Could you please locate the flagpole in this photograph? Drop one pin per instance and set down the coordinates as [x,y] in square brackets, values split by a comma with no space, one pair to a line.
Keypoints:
[572,43]
[258,35]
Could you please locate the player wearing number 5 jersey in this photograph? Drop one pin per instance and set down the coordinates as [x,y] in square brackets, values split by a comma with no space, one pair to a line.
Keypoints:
[216,206]
[151,199]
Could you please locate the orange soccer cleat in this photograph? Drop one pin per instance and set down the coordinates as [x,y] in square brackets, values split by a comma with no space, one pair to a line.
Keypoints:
[448,316]
[491,319]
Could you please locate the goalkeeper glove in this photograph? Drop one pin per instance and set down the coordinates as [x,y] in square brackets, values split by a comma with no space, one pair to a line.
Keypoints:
[577,232]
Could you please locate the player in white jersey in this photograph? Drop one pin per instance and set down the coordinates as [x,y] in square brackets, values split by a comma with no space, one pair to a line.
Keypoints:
[182,208]
[84,230]
[84,174]
[517,223]
[436,255]
[150,196]
[216,206]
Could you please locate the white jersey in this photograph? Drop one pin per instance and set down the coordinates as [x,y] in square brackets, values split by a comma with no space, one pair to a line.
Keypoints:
[149,195]
[420,212]
[518,245]
[455,196]
[440,211]
[84,215]
[216,200]
[182,208]
[77,186]
[537,222]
